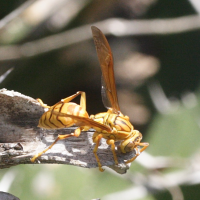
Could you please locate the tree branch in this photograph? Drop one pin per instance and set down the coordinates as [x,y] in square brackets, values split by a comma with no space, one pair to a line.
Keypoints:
[21,139]
[15,13]
[115,26]
[7,196]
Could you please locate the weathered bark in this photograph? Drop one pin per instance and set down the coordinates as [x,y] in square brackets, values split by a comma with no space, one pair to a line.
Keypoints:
[21,138]
[7,196]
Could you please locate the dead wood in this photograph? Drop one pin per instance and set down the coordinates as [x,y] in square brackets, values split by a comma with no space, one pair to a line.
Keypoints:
[7,196]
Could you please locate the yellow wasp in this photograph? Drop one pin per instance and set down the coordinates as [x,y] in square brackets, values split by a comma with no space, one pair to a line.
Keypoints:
[111,125]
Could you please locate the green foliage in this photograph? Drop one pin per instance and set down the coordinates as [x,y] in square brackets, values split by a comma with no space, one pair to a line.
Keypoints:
[47,182]
[175,133]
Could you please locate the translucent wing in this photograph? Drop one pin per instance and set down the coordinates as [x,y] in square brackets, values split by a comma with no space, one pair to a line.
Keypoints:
[109,93]
[105,100]
[83,121]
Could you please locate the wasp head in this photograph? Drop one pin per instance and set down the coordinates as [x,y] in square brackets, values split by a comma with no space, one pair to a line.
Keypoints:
[130,143]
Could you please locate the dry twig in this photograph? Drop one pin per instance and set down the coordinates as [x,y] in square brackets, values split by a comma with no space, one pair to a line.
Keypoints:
[7,196]
[119,27]
[21,138]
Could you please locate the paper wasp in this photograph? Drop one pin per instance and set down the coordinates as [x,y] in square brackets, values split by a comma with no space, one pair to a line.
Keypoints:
[111,125]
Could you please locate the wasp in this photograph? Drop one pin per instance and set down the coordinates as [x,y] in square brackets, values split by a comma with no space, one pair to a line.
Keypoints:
[111,125]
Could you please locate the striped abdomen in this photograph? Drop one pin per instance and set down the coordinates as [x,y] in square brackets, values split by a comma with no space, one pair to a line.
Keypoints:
[53,121]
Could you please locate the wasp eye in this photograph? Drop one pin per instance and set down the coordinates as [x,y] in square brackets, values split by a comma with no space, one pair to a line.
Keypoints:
[129,147]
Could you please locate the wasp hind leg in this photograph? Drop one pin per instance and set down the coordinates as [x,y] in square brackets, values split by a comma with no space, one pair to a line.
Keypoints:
[76,133]
[82,101]
[42,104]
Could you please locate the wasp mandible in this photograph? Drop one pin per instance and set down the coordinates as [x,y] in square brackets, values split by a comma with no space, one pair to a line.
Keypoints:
[111,125]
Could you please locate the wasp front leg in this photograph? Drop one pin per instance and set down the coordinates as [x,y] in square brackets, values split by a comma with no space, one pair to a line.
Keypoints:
[76,133]
[138,151]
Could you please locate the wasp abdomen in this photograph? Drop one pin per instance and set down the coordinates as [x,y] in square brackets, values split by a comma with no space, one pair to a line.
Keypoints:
[53,121]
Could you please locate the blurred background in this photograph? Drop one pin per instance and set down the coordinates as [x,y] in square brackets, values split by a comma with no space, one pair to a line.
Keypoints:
[47,52]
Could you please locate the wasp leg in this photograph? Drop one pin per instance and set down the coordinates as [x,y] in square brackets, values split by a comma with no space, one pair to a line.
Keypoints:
[70,98]
[111,142]
[145,145]
[42,104]
[76,133]
[96,139]
[83,100]
[67,99]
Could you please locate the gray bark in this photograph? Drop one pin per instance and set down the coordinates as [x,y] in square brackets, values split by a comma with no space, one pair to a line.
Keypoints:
[7,196]
[21,139]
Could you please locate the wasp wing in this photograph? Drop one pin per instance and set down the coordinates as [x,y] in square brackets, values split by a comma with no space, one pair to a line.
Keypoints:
[106,62]
[83,121]
[105,100]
